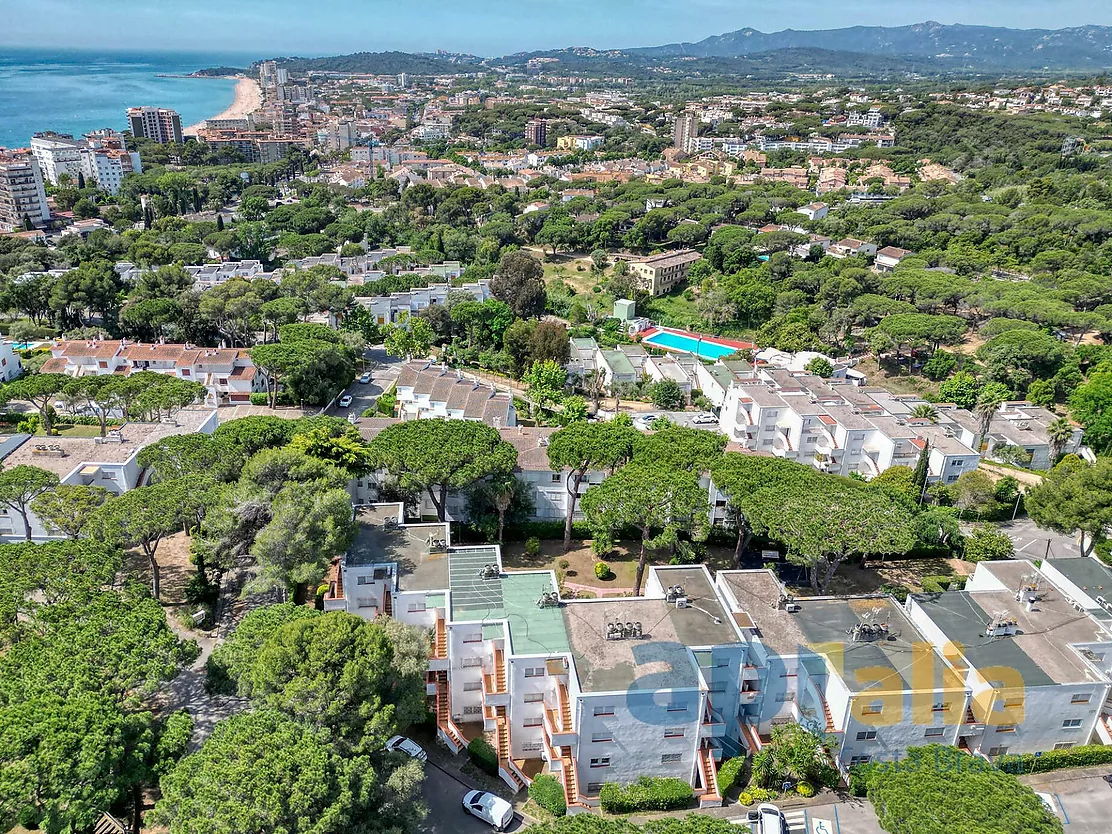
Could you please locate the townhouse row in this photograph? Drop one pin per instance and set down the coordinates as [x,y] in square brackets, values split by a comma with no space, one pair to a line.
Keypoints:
[701,668]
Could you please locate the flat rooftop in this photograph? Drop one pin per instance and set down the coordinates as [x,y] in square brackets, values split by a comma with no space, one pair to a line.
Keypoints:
[1040,650]
[473,596]
[1087,574]
[825,625]
[408,546]
[67,453]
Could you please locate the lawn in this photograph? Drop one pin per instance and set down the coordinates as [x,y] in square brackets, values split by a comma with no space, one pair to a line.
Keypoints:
[853,579]
[73,431]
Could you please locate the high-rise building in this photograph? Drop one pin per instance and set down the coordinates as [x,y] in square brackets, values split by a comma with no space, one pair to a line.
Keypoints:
[685,130]
[403,79]
[536,132]
[22,194]
[155,123]
[58,154]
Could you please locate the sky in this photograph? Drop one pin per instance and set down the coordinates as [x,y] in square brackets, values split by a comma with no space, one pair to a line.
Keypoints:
[481,27]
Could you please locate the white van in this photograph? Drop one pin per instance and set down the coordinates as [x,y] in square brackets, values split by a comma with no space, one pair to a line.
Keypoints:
[492,809]
[771,820]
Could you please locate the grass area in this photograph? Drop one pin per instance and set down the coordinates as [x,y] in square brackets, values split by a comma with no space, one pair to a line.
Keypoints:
[73,431]
[673,310]
[895,378]
[853,579]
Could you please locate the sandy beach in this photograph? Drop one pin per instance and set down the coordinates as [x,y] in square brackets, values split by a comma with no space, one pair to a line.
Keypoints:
[248,99]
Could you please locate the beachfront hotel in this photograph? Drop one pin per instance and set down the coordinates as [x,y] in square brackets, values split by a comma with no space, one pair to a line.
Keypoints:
[22,193]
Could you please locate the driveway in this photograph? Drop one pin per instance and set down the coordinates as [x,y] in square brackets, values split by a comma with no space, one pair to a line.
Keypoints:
[1081,798]
[443,795]
[384,371]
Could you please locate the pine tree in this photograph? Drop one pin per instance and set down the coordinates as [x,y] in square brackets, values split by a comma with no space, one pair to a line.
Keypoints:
[919,477]
[80,181]
[219,222]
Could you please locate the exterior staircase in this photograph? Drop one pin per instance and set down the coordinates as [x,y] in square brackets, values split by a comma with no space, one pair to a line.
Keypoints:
[388,603]
[830,728]
[506,768]
[571,780]
[709,774]
[446,728]
[565,707]
[440,640]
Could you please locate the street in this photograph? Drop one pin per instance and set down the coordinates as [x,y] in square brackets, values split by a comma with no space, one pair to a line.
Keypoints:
[444,796]
[384,370]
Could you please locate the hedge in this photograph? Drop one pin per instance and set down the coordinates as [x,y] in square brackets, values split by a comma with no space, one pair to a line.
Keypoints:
[730,773]
[1084,756]
[547,792]
[483,755]
[859,779]
[648,793]
[753,796]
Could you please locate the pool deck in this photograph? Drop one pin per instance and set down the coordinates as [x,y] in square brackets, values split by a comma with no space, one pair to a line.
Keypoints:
[733,344]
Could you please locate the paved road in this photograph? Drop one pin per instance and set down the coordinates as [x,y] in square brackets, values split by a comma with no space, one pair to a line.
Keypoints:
[1031,541]
[443,794]
[1081,798]
[680,418]
[384,370]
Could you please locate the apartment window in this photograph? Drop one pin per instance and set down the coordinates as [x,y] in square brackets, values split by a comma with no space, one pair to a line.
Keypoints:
[1071,723]
[677,708]
[941,706]
[555,477]
[603,711]
[601,738]
[785,697]
[997,751]
[532,722]
[671,758]
[875,708]
[601,761]
[473,637]
[471,662]
[364,580]
[1063,745]
[859,760]
[1080,698]
[534,671]
[224,381]
[472,686]
[416,607]
[531,747]
[533,697]
[475,710]
[593,788]
[866,735]
[185,371]
[674,732]
[1006,728]
[935,732]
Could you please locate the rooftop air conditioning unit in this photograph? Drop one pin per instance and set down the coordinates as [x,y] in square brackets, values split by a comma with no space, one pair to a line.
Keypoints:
[792,607]
[681,602]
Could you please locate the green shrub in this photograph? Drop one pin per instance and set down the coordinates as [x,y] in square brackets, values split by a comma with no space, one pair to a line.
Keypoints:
[547,792]
[805,790]
[859,779]
[900,592]
[259,398]
[935,584]
[751,796]
[386,403]
[563,564]
[730,774]
[533,547]
[172,740]
[1084,756]
[602,570]
[957,583]
[483,755]
[648,793]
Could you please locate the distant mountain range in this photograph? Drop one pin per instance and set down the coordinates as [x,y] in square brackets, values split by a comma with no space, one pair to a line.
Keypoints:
[858,51]
[958,46]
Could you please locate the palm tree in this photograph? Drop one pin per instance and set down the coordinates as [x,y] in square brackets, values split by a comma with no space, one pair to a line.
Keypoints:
[1060,432]
[925,411]
[501,490]
[992,396]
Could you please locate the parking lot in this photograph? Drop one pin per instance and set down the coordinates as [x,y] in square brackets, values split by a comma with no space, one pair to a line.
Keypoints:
[444,796]
[1033,542]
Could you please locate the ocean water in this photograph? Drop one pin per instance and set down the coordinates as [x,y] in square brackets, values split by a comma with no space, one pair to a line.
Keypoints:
[75,91]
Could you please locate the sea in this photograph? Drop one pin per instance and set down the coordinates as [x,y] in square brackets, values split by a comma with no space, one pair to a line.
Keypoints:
[75,91]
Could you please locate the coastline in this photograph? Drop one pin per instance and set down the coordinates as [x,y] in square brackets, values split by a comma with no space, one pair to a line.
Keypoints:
[248,99]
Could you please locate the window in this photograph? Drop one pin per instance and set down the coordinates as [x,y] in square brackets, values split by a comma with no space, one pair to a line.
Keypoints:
[534,671]
[532,722]
[416,607]
[1063,745]
[677,708]
[941,706]
[531,747]
[473,637]
[472,686]
[533,697]
[866,735]
[935,732]
[670,758]
[364,580]
[1071,723]
[1006,728]
[997,751]
[185,371]
[602,761]
[1080,698]
[856,760]
[475,710]
[875,708]
[601,738]
[593,788]
[471,662]
[785,697]
[555,477]
[604,711]
[674,732]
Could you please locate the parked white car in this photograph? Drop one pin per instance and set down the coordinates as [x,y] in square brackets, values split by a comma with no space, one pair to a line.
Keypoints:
[704,418]
[491,809]
[365,378]
[771,820]
[407,746]
[345,401]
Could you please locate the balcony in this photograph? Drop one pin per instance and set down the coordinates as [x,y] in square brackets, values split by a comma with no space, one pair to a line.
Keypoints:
[495,693]
[748,696]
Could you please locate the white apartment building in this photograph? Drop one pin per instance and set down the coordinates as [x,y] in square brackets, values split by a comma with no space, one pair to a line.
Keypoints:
[57,155]
[100,157]
[108,167]
[156,123]
[10,364]
[228,373]
[840,428]
[1017,425]
[22,193]
[591,691]
[387,309]
[110,462]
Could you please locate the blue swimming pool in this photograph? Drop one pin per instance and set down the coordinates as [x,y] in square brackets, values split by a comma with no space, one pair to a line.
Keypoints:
[688,344]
